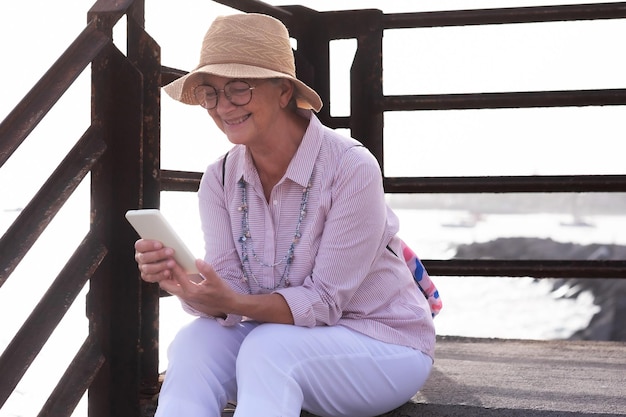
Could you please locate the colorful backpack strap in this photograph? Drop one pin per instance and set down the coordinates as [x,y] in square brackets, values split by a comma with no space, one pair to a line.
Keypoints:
[422,279]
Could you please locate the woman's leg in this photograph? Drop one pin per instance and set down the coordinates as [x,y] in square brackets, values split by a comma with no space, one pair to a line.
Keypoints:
[200,378]
[329,371]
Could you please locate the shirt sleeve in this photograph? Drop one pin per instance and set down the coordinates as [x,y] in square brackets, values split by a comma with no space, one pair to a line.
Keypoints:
[351,239]
[229,321]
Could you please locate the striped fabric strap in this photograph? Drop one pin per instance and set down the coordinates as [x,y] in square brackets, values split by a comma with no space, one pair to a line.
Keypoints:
[422,279]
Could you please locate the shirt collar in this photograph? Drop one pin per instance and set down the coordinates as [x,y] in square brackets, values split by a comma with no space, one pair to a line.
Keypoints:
[303,161]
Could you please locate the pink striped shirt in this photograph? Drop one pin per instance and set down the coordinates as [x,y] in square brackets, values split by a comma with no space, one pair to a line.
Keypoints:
[342,272]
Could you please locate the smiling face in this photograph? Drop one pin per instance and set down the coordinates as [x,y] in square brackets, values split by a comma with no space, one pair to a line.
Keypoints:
[255,123]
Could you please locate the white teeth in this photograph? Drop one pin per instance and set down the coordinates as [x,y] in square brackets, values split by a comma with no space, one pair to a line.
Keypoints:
[237,121]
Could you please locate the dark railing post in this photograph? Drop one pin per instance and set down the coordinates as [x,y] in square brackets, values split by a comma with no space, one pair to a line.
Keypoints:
[115,290]
[366,83]
[145,54]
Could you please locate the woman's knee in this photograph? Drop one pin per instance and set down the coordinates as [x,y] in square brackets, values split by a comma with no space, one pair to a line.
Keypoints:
[204,339]
[192,339]
[273,341]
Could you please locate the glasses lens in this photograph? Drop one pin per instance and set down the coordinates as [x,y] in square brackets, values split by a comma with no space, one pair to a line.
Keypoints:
[238,92]
[206,95]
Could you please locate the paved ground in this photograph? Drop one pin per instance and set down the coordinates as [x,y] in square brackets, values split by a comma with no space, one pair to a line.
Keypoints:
[527,378]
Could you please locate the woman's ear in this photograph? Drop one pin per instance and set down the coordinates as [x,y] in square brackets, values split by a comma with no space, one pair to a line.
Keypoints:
[287,92]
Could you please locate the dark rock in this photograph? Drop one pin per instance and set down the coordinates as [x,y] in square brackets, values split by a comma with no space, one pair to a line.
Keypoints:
[609,294]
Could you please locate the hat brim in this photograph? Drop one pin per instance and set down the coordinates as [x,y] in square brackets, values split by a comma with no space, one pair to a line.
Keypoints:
[182,88]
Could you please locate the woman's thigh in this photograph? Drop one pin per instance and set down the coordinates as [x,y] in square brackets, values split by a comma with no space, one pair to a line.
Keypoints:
[329,371]
[200,377]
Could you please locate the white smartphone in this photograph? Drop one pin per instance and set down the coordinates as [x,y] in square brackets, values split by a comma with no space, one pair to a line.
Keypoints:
[151,224]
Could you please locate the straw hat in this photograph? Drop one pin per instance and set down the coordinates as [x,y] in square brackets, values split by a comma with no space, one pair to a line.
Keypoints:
[247,45]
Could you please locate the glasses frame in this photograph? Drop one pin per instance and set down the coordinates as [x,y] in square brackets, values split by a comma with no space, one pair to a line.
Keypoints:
[226,94]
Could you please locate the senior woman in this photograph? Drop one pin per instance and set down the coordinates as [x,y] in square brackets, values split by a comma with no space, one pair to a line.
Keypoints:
[302,303]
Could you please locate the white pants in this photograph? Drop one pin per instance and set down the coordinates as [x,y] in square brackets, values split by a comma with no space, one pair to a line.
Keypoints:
[278,370]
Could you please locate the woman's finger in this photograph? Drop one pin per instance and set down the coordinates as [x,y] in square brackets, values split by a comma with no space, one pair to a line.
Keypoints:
[171,286]
[188,283]
[147,245]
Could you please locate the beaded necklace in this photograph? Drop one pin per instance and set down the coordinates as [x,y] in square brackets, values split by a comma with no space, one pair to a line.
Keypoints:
[246,238]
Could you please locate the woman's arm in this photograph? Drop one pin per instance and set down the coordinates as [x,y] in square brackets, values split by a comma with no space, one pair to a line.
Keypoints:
[213,297]
[352,234]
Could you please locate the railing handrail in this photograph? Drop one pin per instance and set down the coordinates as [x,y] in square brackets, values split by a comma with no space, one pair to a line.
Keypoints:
[40,324]
[40,211]
[27,114]
[506,15]
[94,40]
[509,100]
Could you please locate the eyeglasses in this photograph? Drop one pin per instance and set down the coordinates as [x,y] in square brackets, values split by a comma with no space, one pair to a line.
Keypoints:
[237,92]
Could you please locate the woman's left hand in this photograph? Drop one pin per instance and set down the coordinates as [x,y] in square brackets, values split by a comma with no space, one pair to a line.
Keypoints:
[210,295]
[216,298]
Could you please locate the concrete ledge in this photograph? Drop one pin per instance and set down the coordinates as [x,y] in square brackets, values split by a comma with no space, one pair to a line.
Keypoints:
[498,377]
[520,378]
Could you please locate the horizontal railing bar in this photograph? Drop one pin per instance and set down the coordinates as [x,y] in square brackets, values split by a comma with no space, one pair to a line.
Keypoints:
[527,268]
[577,98]
[524,99]
[517,269]
[75,381]
[40,211]
[505,15]
[49,89]
[32,336]
[338,122]
[508,184]
[169,74]
[255,6]
[115,7]
[107,13]
[190,181]
[180,180]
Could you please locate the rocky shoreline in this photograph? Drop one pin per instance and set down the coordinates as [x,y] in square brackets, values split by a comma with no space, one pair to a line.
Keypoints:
[609,294]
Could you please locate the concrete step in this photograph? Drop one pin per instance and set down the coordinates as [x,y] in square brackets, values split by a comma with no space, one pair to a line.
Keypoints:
[475,377]
[496,377]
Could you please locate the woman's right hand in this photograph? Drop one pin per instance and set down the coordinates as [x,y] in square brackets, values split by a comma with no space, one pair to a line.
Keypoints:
[155,261]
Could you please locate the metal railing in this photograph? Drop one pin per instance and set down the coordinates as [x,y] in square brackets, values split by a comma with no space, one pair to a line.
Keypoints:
[113,362]
[366,115]
[118,361]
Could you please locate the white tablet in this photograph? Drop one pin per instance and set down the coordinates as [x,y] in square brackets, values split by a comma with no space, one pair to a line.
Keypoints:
[151,224]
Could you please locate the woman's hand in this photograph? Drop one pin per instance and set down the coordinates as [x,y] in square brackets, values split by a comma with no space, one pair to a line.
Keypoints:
[155,261]
[207,292]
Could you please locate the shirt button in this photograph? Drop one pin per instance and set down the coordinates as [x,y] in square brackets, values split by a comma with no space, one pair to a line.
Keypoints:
[275,202]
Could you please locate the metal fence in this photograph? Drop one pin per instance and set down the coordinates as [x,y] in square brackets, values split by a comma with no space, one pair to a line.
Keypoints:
[118,361]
